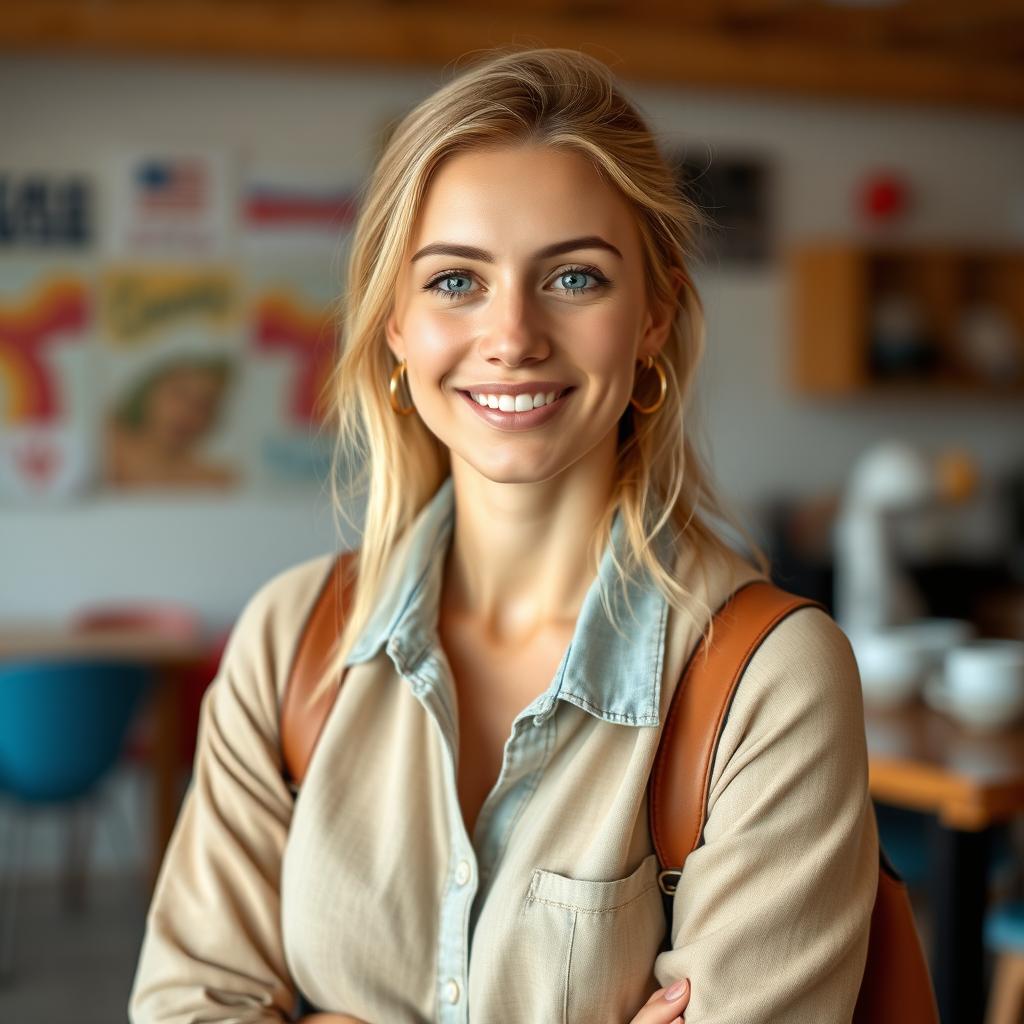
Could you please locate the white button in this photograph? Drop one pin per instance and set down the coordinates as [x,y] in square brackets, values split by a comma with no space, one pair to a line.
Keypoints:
[451,990]
[463,872]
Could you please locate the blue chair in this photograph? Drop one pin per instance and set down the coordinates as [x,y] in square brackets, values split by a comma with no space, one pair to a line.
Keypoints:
[906,838]
[1004,935]
[62,724]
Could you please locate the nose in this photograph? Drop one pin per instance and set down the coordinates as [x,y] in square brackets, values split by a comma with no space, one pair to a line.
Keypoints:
[513,332]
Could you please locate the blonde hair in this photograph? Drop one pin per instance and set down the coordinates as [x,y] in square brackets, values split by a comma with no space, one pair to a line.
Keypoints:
[548,97]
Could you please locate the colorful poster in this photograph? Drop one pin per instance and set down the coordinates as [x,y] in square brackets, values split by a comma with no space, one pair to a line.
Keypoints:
[194,348]
[292,351]
[171,372]
[138,306]
[45,322]
[171,205]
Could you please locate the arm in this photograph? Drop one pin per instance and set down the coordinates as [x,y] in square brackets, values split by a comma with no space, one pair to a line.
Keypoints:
[213,948]
[772,913]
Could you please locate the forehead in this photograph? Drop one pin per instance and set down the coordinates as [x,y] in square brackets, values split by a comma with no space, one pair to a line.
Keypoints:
[508,199]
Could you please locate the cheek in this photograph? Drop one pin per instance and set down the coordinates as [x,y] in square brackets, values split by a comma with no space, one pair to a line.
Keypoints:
[434,344]
[606,352]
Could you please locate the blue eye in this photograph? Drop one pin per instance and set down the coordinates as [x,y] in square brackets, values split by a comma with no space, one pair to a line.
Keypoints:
[572,279]
[579,275]
[450,293]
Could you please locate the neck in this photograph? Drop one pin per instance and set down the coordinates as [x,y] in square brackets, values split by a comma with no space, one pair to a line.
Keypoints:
[519,556]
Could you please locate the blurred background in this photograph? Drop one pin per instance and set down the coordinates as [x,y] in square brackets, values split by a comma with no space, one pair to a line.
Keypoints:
[177,188]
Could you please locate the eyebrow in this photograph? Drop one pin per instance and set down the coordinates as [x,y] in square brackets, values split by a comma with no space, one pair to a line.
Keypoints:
[471,252]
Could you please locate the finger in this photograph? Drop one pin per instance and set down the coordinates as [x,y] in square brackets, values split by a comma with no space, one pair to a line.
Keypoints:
[658,995]
[660,1010]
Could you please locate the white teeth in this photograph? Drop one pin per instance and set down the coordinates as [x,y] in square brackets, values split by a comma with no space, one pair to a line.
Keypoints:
[513,403]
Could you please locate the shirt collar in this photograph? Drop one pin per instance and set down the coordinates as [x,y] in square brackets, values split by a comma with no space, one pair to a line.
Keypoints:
[614,676]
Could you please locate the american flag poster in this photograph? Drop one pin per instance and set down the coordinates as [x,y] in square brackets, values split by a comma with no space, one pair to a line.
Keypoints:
[172,185]
[171,206]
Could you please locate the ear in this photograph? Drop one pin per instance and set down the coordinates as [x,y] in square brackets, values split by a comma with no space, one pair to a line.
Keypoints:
[394,337]
[660,319]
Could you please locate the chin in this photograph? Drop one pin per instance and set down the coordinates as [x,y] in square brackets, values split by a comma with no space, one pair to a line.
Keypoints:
[518,470]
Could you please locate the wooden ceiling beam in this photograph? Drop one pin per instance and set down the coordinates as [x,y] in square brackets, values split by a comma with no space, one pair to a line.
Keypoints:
[898,25]
[639,48]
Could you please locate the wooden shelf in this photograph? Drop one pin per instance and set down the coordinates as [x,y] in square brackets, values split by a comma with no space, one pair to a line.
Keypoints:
[892,320]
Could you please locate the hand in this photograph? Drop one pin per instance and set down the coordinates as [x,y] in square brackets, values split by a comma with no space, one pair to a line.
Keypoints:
[659,1010]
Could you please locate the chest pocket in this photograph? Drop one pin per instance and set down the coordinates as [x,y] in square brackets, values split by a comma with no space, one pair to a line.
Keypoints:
[603,938]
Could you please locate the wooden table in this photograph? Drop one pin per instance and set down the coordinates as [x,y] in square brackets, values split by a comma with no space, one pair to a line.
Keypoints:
[970,781]
[166,655]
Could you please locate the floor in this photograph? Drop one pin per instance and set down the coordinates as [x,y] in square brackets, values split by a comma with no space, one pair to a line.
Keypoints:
[75,968]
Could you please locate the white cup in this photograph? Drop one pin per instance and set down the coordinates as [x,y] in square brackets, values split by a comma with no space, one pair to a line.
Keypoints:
[892,666]
[934,638]
[985,682]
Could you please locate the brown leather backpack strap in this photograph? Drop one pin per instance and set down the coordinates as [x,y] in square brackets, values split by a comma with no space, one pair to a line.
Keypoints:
[302,717]
[681,776]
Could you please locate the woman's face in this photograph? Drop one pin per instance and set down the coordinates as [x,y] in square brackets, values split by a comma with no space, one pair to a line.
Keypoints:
[182,406]
[524,267]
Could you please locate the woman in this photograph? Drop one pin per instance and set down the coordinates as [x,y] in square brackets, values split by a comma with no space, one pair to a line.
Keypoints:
[155,434]
[540,556]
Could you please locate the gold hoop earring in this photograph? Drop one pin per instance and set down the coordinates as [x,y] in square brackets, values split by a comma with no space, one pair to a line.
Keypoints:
[650,363]
[397,372]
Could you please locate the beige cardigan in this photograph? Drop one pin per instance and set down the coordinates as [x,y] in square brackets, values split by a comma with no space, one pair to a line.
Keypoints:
[369,895]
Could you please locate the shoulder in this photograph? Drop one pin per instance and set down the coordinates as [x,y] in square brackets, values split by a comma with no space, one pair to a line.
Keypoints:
[799,707]
[266,634]
[806,662]
[805,658]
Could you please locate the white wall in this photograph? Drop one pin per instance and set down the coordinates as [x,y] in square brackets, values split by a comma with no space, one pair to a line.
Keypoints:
[967,171]
[212,552]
